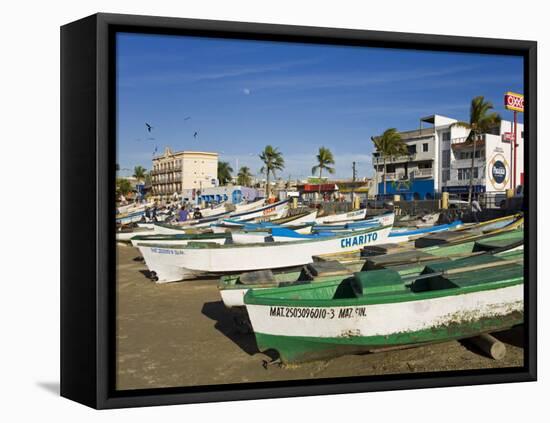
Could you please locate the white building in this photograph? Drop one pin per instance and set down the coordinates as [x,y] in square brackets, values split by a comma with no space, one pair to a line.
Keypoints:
[439,160]
[173,172]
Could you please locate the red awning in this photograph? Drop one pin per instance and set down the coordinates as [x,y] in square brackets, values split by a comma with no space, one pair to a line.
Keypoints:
[315,188]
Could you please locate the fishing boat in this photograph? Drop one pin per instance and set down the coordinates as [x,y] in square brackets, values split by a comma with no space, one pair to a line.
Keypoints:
[381,219]
[129,218]
[302,219]
[399,235]
[216,210]
[342,217]
[244,207]
[472,231]
[266,212]
[281,234]
[426,220]
[264,234]
[380,309]
[234,287]
[174,263]
[180,239]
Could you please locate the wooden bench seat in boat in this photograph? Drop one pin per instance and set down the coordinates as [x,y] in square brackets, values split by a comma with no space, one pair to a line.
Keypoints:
[327,268]
[373,282]
[404,257]
[442,238]
[257,277]
[495,244]
[376,250]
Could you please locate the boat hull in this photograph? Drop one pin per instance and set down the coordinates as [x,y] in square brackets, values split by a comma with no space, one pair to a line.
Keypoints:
[301,334]
[173,264]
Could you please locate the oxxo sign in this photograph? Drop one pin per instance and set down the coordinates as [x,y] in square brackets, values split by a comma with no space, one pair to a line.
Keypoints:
[513,101]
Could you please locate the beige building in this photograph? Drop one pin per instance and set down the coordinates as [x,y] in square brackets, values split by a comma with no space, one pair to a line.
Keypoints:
[175,172]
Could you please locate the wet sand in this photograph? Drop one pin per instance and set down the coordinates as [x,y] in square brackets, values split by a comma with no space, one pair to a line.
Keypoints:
[181,334]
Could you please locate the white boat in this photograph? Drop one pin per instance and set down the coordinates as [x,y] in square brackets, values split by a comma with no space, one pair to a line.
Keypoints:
[399,235]
[180,239]
[264,213]
[129,218]
[171,264]
[289,221]
[214,211]
[258,236]
[244,207]
[287,235]
[342,217]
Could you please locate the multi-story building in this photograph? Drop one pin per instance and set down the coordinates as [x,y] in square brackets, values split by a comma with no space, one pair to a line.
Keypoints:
[174,172]
[439,159]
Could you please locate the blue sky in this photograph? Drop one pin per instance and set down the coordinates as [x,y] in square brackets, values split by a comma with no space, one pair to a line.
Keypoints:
[242,95]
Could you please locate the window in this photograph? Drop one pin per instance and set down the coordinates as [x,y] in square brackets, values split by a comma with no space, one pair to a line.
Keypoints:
[425,147]
[446,175]
[446,158]
[411,149]
[446,136]
[464,173]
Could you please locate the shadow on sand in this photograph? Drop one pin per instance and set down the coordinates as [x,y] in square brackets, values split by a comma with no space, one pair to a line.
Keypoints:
[225,323]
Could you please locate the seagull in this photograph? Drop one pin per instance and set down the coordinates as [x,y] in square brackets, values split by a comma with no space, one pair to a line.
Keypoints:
[195,134]
[149,127]
[187,118]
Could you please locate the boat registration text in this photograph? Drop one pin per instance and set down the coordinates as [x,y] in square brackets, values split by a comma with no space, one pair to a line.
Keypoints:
[317,313]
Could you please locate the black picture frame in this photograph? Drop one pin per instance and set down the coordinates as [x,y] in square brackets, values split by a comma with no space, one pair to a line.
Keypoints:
[87,209]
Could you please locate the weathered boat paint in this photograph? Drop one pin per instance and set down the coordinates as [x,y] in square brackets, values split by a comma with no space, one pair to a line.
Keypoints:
[315,321]
[186,262]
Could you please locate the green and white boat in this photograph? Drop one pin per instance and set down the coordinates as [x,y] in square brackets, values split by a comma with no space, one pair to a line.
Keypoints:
[381,309]
[409,262]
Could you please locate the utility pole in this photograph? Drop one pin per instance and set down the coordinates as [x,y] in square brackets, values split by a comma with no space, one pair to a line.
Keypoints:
[353,182]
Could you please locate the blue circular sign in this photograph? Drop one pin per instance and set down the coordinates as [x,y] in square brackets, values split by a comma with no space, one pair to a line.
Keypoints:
[499,172]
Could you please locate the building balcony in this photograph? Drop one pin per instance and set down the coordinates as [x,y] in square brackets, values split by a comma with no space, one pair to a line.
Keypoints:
[415,157]
[393,176]
[463,143]
[464,182]
[421,173]
[467,163]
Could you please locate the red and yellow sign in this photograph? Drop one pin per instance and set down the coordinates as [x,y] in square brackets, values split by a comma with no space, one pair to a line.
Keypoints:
[513,101]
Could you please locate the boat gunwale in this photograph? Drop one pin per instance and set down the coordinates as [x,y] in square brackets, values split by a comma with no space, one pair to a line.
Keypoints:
[270,244]
[261,297]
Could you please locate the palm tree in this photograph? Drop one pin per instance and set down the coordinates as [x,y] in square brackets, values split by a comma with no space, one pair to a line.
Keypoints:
[389,144]
[273,162]
[123,186]
[139,173]
[481,122]
[324,159]
[224,172]
[244,177]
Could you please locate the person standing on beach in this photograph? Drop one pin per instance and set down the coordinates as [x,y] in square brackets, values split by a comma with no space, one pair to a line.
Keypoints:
[476,208]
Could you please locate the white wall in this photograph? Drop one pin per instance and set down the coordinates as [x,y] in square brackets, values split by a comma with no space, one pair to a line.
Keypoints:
[30,288]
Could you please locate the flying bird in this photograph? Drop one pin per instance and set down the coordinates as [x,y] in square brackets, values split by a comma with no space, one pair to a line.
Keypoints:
[156,149]
[187,118]
[149,127]
[195,134]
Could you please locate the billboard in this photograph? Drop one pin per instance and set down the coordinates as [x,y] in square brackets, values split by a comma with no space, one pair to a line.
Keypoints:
[513,101]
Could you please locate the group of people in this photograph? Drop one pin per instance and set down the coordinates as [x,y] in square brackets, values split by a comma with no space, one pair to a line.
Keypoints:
[185,213]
